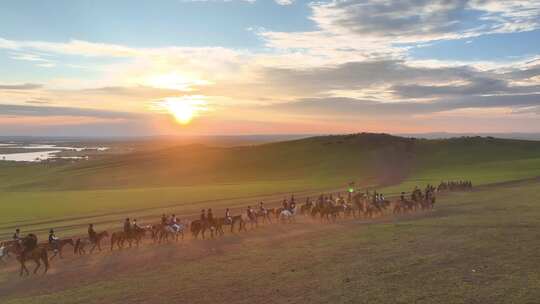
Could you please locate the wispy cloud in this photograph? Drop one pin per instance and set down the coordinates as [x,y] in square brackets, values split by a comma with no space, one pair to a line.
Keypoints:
[284,2]
[44,111]
[24,86]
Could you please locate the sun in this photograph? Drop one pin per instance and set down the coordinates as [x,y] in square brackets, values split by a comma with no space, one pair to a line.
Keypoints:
[184,109]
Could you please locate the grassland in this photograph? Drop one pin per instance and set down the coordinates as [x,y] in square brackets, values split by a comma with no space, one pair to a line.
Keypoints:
[476,247]
[184,179]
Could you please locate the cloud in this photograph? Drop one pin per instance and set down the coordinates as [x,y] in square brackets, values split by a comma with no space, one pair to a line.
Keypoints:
[355,62]
[284,2]
[406,21]
[38,101]
[347,107]
[45,111]
[350,30]
[25,86]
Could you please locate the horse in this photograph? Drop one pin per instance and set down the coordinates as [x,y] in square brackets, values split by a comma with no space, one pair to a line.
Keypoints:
[241,223]
[162,232]
[265,215]
[252,220]
[120,237]
[4,252]
[286,216]
[37,254]
[57,246]
[5,248]
[306,208]
[428,203]
[81,243]
[403,206]
[200,226]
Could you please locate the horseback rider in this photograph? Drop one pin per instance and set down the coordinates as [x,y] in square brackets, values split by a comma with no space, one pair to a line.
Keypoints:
[163,219]
[17,235]
[135,226]
[210,216]
[228,216]
[285,205]
[292,205]
[53,240]
[91,233]
[28,243]
[203,215]
[250,213]
[402,197]
[175,223]
[262,209]
[127,227]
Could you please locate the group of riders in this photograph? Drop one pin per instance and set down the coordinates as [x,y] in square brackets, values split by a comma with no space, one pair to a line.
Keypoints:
[454,185]
[352,202]
[30,241]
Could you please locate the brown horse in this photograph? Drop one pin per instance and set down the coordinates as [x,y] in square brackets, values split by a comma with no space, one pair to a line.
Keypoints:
[200,226]
[221,221]
[120,237]
[37,254]
[81,243]
[265,215]
[57,246]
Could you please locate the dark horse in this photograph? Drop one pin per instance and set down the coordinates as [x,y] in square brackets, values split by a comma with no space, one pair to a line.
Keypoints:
[26,252]
[57,246]
[200,226]
[80,244]
[119,238]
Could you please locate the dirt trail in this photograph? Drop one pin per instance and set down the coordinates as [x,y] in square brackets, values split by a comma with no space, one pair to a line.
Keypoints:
[151,214]
[73,271]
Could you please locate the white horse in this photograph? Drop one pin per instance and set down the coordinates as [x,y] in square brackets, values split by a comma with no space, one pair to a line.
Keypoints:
[287,216]
[3,253]
[176,230]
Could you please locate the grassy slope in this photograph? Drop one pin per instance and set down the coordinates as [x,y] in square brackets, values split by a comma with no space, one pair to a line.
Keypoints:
[195,173]
[477,247]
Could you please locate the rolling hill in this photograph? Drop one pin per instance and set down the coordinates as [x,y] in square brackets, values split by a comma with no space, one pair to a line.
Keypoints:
[374,159]
[184,179]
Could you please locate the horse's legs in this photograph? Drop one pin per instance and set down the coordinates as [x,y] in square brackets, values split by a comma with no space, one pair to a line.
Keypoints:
[38,264]
[23,268]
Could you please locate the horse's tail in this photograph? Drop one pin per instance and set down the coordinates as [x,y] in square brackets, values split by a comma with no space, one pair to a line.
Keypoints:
[45,258]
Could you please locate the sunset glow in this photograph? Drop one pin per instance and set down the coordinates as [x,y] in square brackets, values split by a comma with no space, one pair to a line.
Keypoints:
[329,66]
[184,109]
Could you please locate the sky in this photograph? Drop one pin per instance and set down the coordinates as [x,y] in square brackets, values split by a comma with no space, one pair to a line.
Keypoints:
[224,67]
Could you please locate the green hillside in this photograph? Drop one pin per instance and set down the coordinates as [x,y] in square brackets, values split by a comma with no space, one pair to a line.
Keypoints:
[185,179]
[373,159]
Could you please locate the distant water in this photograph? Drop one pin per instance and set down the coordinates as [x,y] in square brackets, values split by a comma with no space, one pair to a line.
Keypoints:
[29,156]
[42,155]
